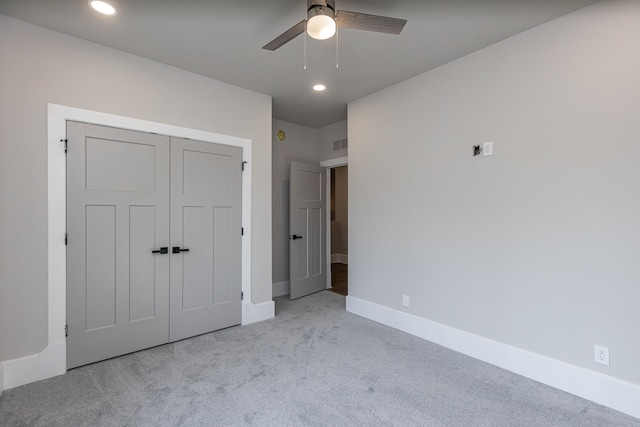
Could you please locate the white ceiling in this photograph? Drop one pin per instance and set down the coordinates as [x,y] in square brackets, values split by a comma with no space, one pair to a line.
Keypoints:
[223,39]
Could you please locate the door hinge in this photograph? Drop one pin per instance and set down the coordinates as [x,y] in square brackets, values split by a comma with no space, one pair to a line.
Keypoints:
[241,296]
[66,330]
[242,231]
[243,163]
[65,239]
[65,144]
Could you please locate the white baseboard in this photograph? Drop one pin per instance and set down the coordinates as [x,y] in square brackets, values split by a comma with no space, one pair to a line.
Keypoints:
[280,288]
[252,313]
[1,378]
[50,362]
[339,258]
[617,394]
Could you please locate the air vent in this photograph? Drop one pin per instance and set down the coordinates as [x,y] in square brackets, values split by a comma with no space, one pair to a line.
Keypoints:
[340,145]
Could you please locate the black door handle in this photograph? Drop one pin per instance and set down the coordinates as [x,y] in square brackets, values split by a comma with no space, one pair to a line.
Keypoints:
[295,237]
[177,250]
[162,250]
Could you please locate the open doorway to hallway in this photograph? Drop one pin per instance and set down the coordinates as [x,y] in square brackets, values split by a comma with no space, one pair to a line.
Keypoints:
[339,230]
[339,275]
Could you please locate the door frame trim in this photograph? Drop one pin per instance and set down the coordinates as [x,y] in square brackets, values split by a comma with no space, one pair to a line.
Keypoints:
[52,360]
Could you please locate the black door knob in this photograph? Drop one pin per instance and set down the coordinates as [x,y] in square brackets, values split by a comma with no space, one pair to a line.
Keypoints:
[162,250]
[295,237]
[177,250]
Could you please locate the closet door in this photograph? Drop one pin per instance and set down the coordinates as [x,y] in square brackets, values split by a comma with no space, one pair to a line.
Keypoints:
[117,223]
[206,282]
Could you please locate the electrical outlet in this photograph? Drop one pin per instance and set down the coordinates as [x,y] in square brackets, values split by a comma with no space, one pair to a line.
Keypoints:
[487,148]
[405,300]
[601,354]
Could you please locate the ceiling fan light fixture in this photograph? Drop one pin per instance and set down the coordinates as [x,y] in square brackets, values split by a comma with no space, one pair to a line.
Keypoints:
[322,25]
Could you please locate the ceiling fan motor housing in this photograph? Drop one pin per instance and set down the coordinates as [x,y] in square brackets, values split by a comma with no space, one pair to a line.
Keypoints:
[321,7]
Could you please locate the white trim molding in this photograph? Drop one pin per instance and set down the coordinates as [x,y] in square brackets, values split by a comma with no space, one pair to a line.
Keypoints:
[52,360]
[1,378]
[617,394]
[279,289]
[334,163]
[252,313]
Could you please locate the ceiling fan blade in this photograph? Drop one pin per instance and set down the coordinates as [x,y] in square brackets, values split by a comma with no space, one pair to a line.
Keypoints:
[363,21]
[287,36]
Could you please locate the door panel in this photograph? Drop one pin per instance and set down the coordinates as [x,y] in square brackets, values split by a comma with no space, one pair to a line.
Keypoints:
[302,248]
[206,282]
[207,173]
[315,243]
[134,163]
[307,251]
[223,285]
[117,289]
[309,185]
[142,293]
[100,267]
[193,264]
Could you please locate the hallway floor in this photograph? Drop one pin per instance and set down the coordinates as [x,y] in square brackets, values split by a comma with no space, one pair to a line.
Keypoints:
[339,283]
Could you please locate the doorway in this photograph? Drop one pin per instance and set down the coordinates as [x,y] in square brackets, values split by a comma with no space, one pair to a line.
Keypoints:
[339,229]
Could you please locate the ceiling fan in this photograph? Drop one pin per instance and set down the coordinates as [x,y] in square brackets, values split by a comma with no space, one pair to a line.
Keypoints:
[323,18]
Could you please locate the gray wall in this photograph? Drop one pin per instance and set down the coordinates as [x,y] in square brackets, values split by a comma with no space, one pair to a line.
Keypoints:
[39,66]
[328,134]
[302,144]
[537,246]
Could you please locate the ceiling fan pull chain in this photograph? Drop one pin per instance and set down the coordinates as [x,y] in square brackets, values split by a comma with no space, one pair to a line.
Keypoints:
[305,46]
[337,58]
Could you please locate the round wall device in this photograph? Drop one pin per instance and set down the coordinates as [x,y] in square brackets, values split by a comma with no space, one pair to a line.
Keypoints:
[281,135]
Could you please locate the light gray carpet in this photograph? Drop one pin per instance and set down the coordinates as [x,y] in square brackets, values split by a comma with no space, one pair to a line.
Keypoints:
[314,364]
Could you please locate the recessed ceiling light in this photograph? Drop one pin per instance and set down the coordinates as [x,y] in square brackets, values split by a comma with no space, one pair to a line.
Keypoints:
[103,7]
[319,88]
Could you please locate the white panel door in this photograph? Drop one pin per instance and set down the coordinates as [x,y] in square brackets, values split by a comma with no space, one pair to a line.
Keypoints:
[307,237]
[117,216]
[206,236]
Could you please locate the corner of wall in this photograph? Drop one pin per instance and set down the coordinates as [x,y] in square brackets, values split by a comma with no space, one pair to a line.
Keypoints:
[280,288]
[1,378]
